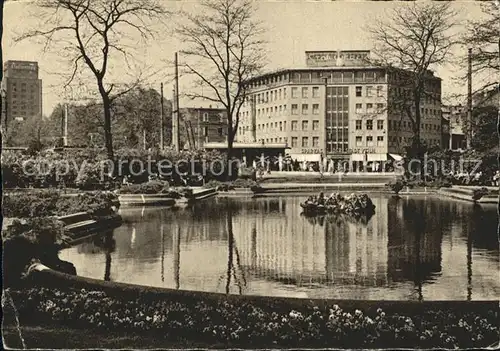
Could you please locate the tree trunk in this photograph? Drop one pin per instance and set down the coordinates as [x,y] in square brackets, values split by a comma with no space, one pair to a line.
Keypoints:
[417,144]
[230,141]
[106,105]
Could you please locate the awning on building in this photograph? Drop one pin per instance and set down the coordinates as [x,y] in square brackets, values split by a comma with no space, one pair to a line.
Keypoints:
[339,156]
[357,157]
[376,157]
[396,157]
[306,157]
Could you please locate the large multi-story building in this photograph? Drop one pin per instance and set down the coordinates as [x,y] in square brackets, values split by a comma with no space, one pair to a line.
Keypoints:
[338,106]
[21,91]
[202,125]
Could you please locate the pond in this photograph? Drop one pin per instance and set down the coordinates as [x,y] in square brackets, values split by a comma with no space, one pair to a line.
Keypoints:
[418,248]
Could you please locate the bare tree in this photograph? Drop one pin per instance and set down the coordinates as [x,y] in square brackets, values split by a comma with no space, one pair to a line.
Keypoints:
[223,51]
[483,37]
[93,31]
[409,42]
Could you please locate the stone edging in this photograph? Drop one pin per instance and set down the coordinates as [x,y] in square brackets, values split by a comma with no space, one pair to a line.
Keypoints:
[43,276]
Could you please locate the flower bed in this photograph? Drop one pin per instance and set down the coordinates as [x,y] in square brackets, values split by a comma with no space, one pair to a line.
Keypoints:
[260,324]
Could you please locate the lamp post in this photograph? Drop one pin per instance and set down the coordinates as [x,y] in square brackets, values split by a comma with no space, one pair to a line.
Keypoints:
[469,98]
[325,79]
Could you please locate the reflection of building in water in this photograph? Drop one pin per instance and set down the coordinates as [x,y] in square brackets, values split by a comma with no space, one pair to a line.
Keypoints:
[356,253]
[286,247]
[414,241]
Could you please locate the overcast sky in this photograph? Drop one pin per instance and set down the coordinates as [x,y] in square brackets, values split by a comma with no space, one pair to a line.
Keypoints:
[293,27]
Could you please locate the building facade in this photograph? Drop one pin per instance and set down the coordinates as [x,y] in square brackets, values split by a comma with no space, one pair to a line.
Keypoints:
[337,106]
[202,125]
[21,91]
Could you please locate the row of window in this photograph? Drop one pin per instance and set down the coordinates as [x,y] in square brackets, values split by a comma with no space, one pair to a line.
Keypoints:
[369,108]
[282,126]
[404,125]
[220,131]
[393,140]
[369,124]
[220,117]
[279,94]
[369,141]
[305,142]
[369,91]
[318,77]
[428,98]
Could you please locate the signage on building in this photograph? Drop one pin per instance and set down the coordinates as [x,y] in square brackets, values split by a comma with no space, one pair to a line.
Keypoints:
[362,151]
[336,58]
[311,151]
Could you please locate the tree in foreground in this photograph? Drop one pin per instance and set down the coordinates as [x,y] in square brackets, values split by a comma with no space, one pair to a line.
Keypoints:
[223,50]
[410,41]
[92,34]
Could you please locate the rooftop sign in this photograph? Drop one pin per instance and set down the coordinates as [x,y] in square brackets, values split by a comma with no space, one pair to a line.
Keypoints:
[337,58]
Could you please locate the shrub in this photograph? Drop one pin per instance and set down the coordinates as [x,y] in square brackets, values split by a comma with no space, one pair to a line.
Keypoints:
[51,203]
[92,176]
[33,204]
[244,183]
[96,204]
[152,187]
[37,230]
[231,185]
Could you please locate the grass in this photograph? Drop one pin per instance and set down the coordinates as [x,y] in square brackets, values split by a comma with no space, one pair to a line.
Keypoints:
[48,337]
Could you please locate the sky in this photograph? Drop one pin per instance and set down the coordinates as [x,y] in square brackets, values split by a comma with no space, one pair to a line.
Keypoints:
[292,27]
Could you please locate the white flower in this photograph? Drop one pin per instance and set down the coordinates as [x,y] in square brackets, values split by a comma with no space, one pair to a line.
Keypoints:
[358,313]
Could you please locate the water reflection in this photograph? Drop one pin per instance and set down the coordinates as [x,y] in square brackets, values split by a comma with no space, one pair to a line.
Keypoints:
[411,249]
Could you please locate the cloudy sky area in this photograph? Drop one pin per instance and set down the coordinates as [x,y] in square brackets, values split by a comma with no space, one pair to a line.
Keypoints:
[293,27]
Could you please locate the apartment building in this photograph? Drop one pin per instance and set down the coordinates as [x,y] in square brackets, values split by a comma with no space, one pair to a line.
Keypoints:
[202,125]
[338,106]
[21,91]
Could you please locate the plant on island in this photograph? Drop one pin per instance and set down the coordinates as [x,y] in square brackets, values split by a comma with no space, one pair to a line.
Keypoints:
[354,205]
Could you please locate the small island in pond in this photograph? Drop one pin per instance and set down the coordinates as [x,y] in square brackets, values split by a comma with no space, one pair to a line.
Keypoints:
[355,205]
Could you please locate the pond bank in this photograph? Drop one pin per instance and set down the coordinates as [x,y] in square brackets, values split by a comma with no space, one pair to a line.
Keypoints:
[198,193]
